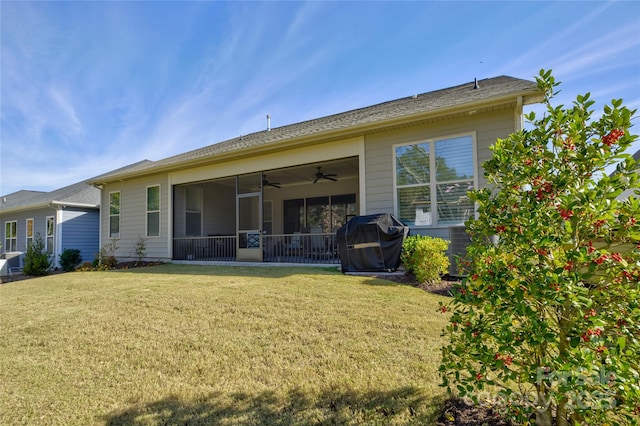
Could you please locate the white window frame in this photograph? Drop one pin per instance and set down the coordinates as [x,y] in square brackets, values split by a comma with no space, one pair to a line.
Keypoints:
[33,233]
[111,234]
[153,211]
[7,239]
[49,249]
[432,173]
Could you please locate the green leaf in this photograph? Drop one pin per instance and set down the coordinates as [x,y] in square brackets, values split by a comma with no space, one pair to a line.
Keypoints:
[622,343]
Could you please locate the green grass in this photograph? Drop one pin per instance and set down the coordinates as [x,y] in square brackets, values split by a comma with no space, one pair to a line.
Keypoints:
[178,344]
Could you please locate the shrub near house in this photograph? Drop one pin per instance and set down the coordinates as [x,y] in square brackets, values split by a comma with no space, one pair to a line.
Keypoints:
[550,313]
[36,261]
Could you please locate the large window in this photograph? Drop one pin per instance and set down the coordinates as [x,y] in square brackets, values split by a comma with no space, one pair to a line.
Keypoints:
[432,179]
[153,211]
[11,236]
[318,214]
[114,214]
[51,226]
[29,232]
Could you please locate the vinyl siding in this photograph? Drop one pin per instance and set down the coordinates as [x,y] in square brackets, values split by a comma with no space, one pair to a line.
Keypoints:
[133,217]
[379,150]
[39,225]
[80,230]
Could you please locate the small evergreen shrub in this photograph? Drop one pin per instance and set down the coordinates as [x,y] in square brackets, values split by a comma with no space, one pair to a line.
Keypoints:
[425,257]
[140,250]
[36,261]
[70,259]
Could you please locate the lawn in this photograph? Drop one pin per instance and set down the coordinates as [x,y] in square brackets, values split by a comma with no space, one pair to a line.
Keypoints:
[177,344]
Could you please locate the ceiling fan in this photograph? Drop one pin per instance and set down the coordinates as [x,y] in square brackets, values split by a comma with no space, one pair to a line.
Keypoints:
[322,175]
[265,182]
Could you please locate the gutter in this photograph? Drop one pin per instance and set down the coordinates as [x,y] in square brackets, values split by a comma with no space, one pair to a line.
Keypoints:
[49,204]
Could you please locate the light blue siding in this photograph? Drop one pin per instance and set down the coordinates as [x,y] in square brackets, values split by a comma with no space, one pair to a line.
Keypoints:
[80,230]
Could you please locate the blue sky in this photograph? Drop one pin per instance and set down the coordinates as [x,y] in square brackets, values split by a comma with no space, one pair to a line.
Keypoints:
[87,87]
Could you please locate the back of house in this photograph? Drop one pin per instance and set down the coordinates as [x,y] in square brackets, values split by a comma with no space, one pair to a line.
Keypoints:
[279,195]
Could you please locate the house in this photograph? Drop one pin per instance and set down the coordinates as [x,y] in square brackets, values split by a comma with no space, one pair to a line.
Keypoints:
[65,218]
[629,192]
[279,195]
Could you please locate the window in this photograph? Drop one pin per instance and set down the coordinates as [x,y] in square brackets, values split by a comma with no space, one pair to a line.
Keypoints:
[432,179]
[153,211]
[50,231]
[318,214]
[114,214]
[193,212]
[29,232]
[11,236]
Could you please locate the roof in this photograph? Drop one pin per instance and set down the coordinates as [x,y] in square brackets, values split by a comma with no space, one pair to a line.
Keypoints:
[81,194]
[78,195]
[380,116]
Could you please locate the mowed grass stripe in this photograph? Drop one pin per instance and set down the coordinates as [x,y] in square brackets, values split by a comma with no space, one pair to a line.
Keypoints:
[217,345]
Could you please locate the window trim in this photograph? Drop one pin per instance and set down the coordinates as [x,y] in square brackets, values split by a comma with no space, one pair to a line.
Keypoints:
[110,234]
[27,237]
[432,171]
[7,238]
[153,211]
[52,236]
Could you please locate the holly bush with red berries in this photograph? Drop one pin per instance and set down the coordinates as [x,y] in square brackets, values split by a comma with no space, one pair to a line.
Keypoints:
[546,325]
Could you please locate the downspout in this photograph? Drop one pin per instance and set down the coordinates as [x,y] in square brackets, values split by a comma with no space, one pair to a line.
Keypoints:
[100,209]
[57,233]
[519,119]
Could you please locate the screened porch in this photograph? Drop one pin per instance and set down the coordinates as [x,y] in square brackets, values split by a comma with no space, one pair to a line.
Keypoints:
[287,215]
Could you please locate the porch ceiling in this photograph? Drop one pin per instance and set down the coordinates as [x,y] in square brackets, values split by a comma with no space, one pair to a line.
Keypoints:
[346,168]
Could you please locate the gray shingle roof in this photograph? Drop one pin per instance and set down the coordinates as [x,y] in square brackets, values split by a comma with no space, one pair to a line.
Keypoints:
[357,120]
[77,194]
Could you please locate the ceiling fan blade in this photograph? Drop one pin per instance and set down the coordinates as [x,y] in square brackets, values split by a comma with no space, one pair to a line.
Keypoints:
[328,177]
[317,179]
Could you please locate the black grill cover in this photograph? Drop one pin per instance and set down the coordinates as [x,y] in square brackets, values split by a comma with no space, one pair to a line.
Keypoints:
[371,243]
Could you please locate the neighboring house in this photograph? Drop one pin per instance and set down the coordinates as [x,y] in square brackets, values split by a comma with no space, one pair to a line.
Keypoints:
[65,218]
[280,194]
[629,192]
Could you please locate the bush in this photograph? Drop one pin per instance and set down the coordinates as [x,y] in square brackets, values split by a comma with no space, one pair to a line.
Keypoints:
[106,256]
[425,257]
[36,261]
[140,250]
[549,315]
[70,259]
[87,266]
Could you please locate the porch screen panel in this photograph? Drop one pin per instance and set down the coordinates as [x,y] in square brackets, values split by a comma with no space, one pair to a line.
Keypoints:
[293,215]
[193,212]
[318,214]
[343,207]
